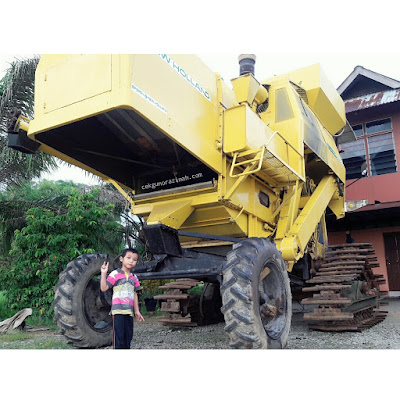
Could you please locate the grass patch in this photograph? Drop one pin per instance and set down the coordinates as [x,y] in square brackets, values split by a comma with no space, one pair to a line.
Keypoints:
[39,320]
[24,339]
[15,336]
[46,343]
[27,340]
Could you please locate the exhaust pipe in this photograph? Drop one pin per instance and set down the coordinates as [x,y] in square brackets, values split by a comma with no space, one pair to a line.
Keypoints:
[247,63]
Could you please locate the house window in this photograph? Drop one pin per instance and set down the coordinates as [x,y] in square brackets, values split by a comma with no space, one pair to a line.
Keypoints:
[378,126]
[373,151]
[358,130]
[382,159]
[353,157]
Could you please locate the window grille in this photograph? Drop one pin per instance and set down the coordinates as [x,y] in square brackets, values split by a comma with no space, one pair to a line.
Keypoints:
[373,150]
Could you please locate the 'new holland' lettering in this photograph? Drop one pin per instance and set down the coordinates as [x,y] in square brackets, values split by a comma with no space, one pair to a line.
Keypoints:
[185,75]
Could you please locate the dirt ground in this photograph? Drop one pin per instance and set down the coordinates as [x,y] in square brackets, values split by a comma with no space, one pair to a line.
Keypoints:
[386,335]
[150,334]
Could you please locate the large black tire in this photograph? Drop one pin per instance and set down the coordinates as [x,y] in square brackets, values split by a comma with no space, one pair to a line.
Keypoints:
[210,304]
[257,311]
[81,310]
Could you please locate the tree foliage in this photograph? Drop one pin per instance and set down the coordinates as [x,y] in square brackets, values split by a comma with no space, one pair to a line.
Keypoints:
[17,90]
[16,200]
[49,241]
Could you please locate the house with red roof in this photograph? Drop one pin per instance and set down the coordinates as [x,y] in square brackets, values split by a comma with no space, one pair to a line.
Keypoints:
[372,104]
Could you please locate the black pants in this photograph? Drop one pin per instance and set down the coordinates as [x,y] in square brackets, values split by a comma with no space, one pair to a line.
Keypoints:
[122,331]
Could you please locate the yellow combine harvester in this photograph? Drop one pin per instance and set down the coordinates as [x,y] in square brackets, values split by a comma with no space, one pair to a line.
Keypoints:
[233,184]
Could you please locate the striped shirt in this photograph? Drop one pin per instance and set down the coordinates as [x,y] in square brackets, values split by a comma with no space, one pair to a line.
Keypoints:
[124,286]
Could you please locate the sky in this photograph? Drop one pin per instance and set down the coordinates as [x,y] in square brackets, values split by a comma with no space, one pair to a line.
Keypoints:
[284,36]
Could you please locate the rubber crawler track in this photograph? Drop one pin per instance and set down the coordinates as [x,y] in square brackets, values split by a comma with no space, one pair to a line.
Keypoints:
[345,290]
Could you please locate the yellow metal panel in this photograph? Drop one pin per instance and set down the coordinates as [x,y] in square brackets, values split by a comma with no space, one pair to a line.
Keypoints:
[247,196]
[283,108]
[210,216]
[326,102]
[235,129]
[244,130]
[333,158]
[322,96]
[295,241]
[290,209]
[177,94]
[337,206]
[217,220]
[66,112]
[144,207]
[172,214]
[245,88]
[187,91]
[284,117]
[304,127]
[79,82]
[289,123]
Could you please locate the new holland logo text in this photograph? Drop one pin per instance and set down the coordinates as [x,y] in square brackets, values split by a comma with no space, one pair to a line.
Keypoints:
[185,75]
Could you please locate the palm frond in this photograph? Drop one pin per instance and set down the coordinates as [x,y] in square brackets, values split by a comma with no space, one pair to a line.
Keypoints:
[17,90]
[18,87]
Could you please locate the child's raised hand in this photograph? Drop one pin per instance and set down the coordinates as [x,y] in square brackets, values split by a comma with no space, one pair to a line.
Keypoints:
[104,268]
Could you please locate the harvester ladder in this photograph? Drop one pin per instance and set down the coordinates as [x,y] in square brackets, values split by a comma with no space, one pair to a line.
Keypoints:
[253,164]
[276,165]
[264,161]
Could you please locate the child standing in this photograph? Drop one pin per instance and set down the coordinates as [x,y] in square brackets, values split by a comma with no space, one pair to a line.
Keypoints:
[125,299]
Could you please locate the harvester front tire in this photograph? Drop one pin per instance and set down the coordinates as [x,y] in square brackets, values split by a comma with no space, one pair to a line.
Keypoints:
[80,309]
[256,296]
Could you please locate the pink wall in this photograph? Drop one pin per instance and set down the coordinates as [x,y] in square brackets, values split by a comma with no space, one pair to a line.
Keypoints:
[384,188]
[373,236]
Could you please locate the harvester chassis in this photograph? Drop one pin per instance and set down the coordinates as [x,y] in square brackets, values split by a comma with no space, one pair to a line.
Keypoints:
[171,261]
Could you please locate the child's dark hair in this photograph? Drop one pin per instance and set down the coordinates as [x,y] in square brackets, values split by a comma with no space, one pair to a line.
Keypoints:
[129,249]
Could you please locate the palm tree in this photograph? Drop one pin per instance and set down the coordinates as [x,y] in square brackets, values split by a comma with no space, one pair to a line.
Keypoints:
[17,90]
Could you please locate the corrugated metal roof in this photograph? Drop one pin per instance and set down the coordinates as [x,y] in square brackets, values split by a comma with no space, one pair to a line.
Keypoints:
[372,100]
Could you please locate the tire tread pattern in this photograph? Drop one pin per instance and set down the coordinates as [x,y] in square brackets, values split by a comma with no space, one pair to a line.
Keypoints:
[66,304]
[240,275]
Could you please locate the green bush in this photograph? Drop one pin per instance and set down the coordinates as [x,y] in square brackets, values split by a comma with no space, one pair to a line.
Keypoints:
[196,290]
[4,311]
[48,242]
